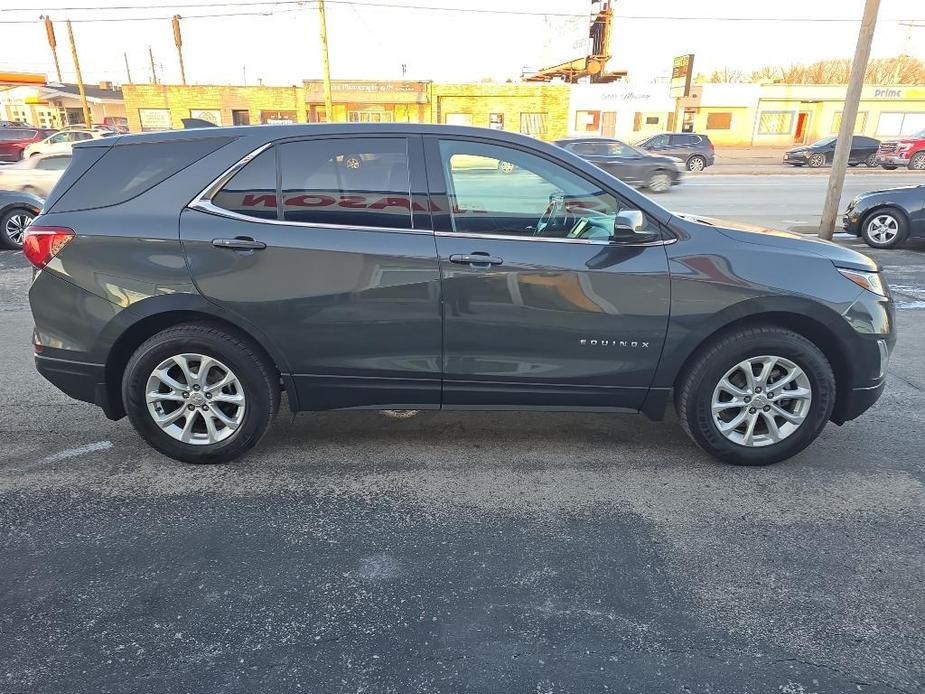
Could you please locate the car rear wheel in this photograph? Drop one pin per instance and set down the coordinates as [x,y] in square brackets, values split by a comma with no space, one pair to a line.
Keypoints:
[200,394]
[659,182]
[884,228]
[917,163]
[696,163]
[13,227]
[871,161]
[817,160]
[756,396]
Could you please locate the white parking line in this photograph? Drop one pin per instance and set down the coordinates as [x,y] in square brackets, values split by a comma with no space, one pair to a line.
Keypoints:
[74,452]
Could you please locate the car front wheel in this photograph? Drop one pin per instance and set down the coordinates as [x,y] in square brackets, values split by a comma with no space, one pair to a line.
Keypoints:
[871,161]
[756,396]
[917,163]
[13,227]
[884,228]
[817,161]
[659,182]
[200,394]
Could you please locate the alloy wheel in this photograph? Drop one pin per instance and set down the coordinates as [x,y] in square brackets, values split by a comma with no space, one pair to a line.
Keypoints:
[883,228]
[15,227]
[505,167]
[817,160]
[761,401]
[695,164]
[659,183]
[195,399]
[918,162]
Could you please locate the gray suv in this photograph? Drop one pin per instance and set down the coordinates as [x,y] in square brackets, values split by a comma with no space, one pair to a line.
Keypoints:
[188,279]
[696,151]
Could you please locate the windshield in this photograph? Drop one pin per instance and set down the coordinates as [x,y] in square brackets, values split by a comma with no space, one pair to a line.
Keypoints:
[920,135]
[823,142]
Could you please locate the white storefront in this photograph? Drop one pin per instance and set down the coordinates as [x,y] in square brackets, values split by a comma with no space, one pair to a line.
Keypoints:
[620,109]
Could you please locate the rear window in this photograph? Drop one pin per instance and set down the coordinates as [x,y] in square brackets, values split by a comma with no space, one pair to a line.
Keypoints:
[685,140]
[126,171]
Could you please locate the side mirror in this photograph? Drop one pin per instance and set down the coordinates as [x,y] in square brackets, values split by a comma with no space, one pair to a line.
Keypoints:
[629,226]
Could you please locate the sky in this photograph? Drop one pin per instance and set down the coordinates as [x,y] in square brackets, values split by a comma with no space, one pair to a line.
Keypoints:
[279,43]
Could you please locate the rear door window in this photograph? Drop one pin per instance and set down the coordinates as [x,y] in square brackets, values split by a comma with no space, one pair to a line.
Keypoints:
[251,191]
[53,163]
[352,182]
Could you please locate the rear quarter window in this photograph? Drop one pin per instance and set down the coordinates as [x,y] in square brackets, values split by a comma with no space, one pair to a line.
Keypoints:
[126,171]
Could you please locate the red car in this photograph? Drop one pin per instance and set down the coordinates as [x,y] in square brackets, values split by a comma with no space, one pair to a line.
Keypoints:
[14,140]
[906,151]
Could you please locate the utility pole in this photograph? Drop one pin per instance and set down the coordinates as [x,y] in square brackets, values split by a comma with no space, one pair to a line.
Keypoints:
[80,80]
[326,66]
[153,69]
[128,73]
[848,117]
[53,44]
[178,40]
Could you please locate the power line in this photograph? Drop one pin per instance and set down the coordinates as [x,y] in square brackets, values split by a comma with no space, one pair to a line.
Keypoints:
[440,8]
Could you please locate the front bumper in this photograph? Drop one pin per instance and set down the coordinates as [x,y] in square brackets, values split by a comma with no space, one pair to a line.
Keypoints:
[795,158]
[856,402]
[892,160]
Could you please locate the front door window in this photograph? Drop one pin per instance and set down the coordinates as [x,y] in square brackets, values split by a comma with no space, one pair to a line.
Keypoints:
[501,191]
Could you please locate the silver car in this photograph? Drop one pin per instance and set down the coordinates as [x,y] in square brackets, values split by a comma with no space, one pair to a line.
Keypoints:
[36,175]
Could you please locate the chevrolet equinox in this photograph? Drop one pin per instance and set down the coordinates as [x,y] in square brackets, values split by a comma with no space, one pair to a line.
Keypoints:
[186,279]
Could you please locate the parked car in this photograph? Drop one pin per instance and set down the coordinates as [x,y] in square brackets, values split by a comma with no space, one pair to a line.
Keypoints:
[17,210]
[215,270]
[13,124]
[886,218]
[36,175]
[863,151]
[696,151]
[62,141]
[636,167]
[906,151]
[14,140]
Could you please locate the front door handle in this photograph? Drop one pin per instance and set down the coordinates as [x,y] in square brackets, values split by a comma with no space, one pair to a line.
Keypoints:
[241,243]
[476,258]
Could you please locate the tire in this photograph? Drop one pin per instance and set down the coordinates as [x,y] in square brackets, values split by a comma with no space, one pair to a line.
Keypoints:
[12,226]
[717,359]
[255,391]
[816,161]
[889,167]
[884,228]
[871,161]
[659,182]
[853,164]
[696,163]
[917,163]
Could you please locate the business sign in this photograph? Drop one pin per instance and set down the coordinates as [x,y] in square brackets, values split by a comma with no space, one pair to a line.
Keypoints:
[210,115]
[681,71]
[154,118]
[368,91]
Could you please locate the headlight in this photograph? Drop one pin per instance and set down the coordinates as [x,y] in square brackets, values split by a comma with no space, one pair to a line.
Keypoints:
[866,280]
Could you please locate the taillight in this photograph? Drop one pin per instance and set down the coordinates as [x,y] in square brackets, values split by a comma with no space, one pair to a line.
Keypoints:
[41,244]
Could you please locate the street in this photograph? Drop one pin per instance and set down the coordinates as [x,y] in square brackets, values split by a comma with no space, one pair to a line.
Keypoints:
[470,551]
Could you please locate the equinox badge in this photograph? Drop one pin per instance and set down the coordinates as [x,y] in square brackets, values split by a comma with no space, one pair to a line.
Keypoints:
[630,344]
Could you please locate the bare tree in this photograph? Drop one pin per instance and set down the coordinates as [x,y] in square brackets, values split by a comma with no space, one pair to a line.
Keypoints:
[727,75]
[903,69]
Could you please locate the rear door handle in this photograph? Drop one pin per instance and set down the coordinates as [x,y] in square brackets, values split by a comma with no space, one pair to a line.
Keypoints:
[477,258]
[241,243]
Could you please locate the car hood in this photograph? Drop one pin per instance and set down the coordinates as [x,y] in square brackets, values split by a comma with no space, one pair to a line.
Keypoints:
[788,240]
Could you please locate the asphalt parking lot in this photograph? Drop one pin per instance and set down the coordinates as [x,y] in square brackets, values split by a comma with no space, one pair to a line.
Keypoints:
[446,552]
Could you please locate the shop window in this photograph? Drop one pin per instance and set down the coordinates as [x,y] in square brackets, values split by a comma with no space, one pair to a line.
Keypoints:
[150,118]
[496,121]
[775,122]
[900,123]
[458,119]
[652,120]
[241,117]
[719,120]
[369,117]
[533,124]
[277,117]
[587,121]
[859,123]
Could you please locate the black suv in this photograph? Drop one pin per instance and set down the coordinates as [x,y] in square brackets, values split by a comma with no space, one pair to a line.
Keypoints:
[188,278]
[630,165]
[696,151]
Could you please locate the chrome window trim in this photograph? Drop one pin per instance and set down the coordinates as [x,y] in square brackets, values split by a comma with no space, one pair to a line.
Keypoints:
[586,242]
[203,203]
